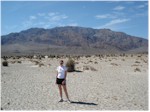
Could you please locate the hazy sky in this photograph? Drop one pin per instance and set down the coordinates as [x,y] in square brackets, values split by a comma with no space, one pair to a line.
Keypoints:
[129,17]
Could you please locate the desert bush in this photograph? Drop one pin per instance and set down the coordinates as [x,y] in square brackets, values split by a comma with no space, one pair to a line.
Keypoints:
[18,57]
[5,63]
[18,61]
[4,57]
[136,65]
[123,59]
[137,69]
[36,62]
[70,65]
[86,68]
[107,55]
[139,56]
[90,61]
[12,62]
[114,64]
[41,64]
[137,62]
[145,61]
[96,62]
[89,68]
[76,62]
[93,69]
[122,55]
[87,56]
[52,56]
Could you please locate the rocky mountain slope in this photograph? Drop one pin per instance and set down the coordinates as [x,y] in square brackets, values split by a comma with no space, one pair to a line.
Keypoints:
[70,40]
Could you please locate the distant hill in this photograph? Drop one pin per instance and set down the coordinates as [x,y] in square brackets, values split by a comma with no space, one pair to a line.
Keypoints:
[71,40]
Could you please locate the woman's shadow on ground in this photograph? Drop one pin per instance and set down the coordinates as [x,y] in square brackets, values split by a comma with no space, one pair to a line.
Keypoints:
[83,103]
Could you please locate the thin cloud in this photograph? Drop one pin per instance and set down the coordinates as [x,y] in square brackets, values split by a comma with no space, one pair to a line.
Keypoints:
[141,14]
[55,16]
[58,17]
[52,13]
[113,15]
[116,21]
[72,24]
[104,16]
[113,23]
[119,8]
[41,14]
[32,17]
[142,6]
[46,20]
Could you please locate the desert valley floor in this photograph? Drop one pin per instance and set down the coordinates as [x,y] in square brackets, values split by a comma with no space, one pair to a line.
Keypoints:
[99,83]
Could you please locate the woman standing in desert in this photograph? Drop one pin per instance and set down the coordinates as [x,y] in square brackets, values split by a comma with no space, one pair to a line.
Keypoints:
[61,80]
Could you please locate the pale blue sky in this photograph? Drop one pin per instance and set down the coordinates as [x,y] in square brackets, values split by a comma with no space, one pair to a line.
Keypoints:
[129,17]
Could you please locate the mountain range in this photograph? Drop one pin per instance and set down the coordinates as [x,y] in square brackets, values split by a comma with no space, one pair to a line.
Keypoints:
[71,40]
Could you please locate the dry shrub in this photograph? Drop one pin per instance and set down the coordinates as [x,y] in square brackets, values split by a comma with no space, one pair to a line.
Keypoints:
[36,62]
[87,56]
[18,61]
[12,62]
[107,56]
[137,69]
[89,68]
[86,68]
[70,65]
[134,65]
[5,63]
[145,61]
[96,62]
[114,64]
[76,62]
[139,56]
[123,59]
[90,61]
[41,64]
[137,62]
[93,69]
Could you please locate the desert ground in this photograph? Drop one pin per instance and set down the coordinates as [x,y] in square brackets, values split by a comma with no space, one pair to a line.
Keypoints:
[100,82]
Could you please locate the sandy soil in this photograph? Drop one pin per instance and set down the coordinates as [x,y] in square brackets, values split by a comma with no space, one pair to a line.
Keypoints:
[108,83]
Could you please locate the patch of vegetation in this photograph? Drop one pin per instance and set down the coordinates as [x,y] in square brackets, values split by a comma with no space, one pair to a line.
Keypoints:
[5,63]
[70,65]
[137,69]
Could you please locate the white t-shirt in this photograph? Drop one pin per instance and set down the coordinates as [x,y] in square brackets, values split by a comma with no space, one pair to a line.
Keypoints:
[61,72]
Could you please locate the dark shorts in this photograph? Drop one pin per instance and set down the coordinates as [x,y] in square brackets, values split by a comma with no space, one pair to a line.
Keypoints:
[59,81]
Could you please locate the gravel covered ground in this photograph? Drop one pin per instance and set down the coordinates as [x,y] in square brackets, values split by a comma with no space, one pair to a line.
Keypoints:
[107,83]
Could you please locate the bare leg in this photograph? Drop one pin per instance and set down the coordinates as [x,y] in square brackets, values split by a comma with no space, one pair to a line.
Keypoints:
[65,90]
[60,90]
